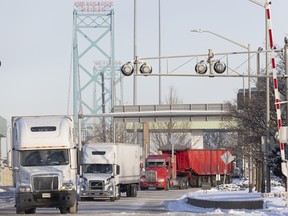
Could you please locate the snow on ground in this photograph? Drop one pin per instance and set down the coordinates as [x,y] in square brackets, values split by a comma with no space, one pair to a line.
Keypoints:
[274,202]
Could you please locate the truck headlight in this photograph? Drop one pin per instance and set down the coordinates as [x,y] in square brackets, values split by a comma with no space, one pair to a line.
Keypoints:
[83,188]
[110,188]
[24,188]
[67,186]
[161,180]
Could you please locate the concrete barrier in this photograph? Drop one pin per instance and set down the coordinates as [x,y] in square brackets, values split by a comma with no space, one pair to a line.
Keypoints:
[233,202]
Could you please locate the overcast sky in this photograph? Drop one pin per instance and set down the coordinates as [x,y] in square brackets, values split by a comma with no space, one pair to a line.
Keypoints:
[36,45]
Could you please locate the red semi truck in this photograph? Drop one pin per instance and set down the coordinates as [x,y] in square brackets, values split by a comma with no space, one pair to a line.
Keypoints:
[190,167]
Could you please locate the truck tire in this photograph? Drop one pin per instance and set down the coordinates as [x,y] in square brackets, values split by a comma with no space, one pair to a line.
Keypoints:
[186,184]
[30,211]
[133,190]
[112,199]
[64,210]
[18,211]
[182,184]
[128,191]
[199,181]
[74,208]
[167,187]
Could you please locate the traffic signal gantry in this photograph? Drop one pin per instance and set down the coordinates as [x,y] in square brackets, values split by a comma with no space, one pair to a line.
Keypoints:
[200,68]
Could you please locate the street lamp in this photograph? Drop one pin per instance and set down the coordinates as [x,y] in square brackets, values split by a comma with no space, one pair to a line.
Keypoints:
[234,42]
[249,87]
[267,140]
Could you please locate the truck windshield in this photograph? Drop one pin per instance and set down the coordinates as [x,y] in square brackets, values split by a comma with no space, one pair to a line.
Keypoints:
[44,157]
[97,168]
[155,163]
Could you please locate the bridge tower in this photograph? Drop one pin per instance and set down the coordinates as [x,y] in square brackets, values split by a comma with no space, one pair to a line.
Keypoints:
[95,81]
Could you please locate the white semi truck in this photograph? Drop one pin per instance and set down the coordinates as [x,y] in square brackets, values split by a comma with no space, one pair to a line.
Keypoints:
[109,169]
[44,163]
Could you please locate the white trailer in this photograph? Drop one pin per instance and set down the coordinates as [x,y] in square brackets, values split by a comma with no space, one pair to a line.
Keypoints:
[44,163]
[109,169]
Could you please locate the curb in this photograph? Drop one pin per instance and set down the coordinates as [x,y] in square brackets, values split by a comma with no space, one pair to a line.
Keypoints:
[249,204]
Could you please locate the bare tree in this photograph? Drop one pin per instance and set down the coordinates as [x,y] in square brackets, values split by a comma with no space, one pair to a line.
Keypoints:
[122,132]
[216,140]
[250,115]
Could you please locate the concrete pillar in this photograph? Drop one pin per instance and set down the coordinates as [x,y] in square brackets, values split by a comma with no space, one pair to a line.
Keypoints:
[197,139]
[146,140]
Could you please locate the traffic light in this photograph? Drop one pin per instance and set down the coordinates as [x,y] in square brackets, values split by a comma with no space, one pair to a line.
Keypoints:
[219,67]
[201,67]
[127,69]
[146,69]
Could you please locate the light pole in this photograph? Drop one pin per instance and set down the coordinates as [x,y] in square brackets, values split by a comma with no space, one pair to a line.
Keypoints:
[160,81]
[135,54]
[236,43]
[267,140]
[249,85]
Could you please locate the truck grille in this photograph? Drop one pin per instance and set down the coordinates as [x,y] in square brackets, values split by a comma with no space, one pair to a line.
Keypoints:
[151,176]
[96,185]
[45,183]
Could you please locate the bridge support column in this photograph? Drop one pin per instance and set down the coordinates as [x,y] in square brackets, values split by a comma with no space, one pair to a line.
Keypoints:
[197,139]
[146,140]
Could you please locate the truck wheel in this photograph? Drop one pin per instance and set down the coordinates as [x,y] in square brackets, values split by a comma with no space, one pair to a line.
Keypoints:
[74,208]
[63,210]
[133,190]
[30,211]
[180,187]
[18,211]
[186,184]
[112,199]
[167,188]
[128,191]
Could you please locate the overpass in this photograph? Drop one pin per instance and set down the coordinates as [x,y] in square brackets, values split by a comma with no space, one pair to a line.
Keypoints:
[201,118]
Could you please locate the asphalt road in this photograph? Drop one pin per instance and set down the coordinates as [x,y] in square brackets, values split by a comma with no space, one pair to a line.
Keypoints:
[151,202]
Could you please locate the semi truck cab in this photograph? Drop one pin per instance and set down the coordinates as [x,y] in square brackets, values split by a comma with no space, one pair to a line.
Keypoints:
[159,172]
[44,163]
